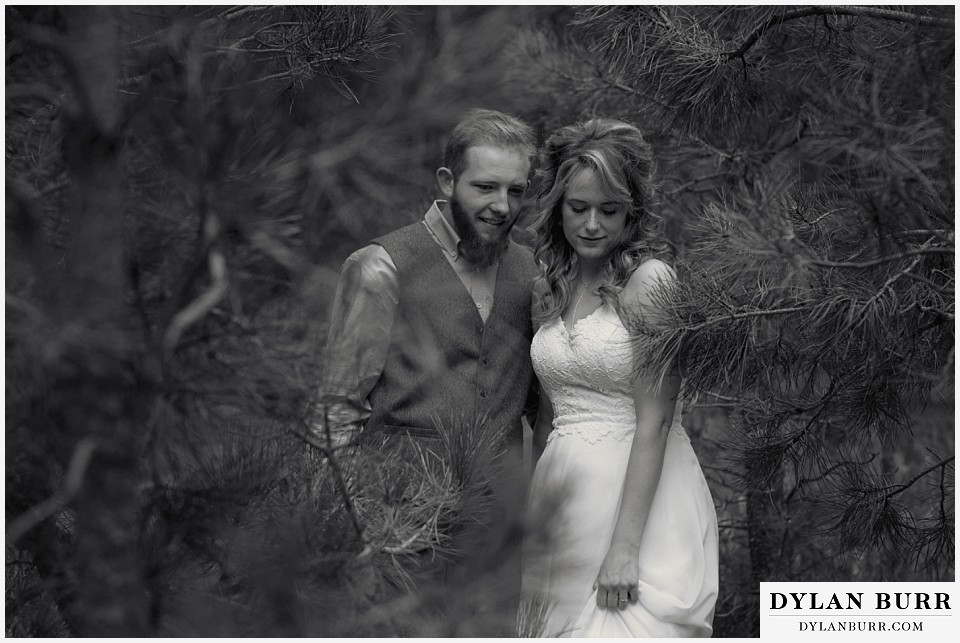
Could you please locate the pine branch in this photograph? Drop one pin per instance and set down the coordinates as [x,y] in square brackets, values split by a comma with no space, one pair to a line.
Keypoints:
[802,482]
[889,14]
[888,284]
[79,462]
[752,39]
[865,12]
[743,315]
[943,494]
[880,260]
[406,547]
[900,488]
[306,435]
[233,13]
[941,289]
[204,303]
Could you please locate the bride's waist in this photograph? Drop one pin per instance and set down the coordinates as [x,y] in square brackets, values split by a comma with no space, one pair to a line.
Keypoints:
[593,430]
[609,418]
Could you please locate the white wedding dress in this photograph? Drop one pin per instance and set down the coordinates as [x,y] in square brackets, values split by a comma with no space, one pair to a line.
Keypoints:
[575,496]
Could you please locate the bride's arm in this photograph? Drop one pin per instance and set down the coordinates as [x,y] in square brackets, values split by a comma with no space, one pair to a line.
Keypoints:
[654,399]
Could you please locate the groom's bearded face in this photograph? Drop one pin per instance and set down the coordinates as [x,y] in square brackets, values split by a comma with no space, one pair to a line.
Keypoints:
[485,200]
[481,251]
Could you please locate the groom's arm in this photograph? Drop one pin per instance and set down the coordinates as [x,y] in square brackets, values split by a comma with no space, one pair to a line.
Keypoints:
[532,404]
[542,426]
[358,340]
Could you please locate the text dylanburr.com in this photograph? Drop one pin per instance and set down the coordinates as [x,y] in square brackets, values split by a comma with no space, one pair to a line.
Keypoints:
[798,610]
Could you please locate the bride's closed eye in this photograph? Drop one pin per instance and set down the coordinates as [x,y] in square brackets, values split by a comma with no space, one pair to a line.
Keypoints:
[580,209]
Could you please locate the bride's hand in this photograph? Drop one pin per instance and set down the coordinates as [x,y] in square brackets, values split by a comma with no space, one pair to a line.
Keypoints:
[618,582]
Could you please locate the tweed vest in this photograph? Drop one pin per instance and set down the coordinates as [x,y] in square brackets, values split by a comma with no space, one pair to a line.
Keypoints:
[445,365]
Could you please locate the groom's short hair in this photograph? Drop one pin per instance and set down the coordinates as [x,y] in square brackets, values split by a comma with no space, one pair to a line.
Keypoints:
[486,127]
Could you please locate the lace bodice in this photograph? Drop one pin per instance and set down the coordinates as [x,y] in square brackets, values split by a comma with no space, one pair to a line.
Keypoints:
[586,372]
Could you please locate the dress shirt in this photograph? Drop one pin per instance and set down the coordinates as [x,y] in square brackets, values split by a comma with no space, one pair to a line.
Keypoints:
[361,323]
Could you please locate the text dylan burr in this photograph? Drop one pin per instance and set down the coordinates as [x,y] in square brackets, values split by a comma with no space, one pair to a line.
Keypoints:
[855,600]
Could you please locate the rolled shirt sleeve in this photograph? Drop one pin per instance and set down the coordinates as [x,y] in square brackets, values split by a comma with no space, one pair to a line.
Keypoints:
[358,340]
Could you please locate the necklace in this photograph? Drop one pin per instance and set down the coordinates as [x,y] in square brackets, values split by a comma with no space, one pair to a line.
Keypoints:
[583,289]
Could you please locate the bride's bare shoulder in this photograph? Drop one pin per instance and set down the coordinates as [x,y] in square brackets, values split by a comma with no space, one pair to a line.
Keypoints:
[648,276]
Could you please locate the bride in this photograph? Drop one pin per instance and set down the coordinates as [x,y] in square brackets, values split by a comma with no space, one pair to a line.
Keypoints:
[626,540]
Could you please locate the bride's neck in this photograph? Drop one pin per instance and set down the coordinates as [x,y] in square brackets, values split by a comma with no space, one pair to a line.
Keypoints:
[589,275]
[590,270]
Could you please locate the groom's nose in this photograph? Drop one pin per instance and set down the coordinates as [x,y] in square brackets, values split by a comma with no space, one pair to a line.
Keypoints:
[500,202]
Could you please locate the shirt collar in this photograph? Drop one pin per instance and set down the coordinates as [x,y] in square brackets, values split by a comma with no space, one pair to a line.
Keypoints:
[442,230]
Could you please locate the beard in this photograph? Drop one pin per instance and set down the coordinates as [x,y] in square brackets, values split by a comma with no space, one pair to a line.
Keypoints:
[477,250]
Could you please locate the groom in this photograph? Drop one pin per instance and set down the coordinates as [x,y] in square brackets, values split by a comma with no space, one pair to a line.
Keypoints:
[432,321]
[430,328]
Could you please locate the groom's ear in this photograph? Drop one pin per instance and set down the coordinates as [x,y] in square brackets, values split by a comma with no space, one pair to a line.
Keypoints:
[446,181]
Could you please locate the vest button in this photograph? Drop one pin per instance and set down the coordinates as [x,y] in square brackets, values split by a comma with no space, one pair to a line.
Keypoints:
[484,359]
[483,392]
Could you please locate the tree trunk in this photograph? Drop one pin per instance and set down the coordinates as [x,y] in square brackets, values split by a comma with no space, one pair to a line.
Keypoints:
[95,388]
[763,517]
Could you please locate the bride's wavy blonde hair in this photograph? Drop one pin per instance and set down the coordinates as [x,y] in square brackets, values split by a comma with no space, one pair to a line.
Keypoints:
[624,166]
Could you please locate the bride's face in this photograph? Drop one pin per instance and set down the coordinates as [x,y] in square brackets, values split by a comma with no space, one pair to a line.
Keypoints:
[593,224]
